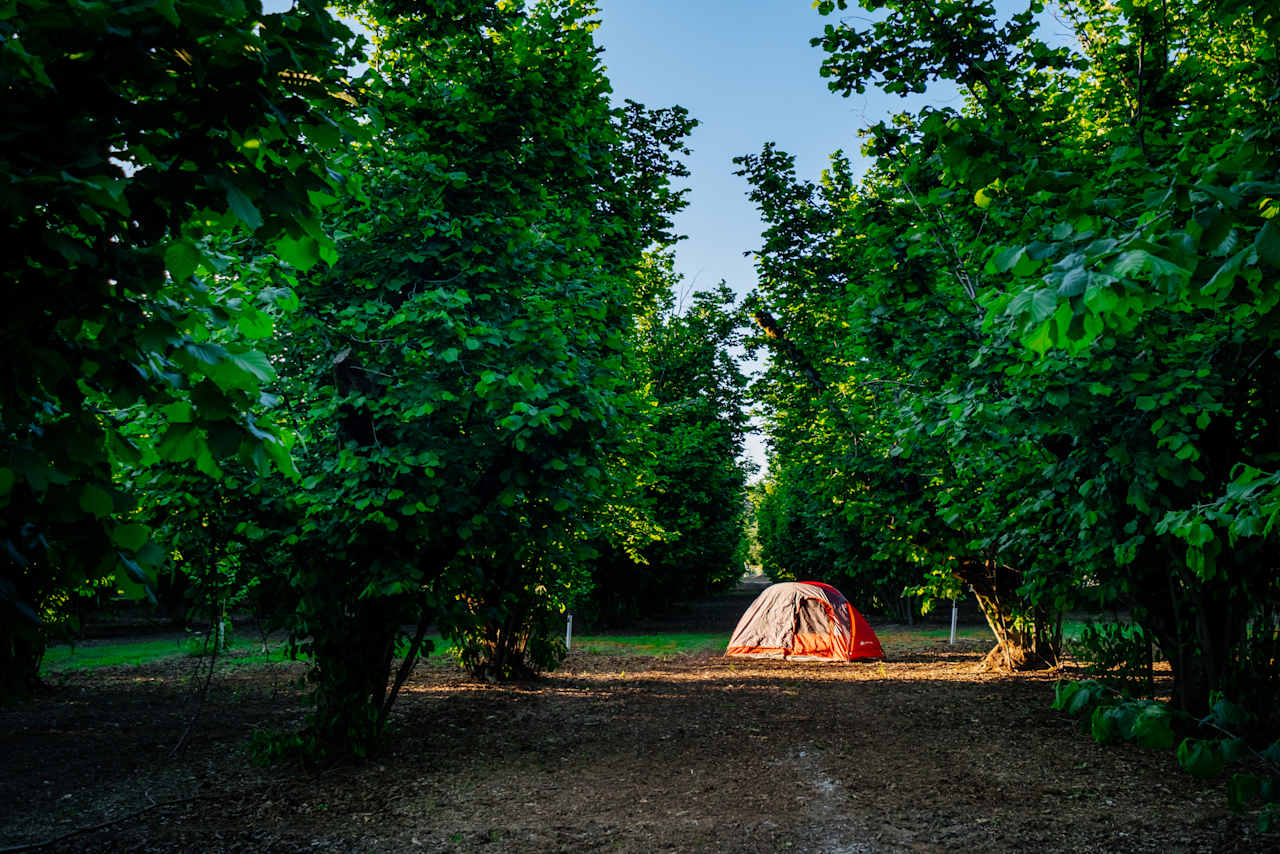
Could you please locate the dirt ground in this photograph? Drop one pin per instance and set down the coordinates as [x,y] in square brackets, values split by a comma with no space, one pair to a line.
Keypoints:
[920,753]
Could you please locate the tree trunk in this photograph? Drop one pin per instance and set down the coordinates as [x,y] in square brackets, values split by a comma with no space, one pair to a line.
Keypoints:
[504,645]
[23,638]
[1202,632]
[1027,638]
[20,655]
[352,669]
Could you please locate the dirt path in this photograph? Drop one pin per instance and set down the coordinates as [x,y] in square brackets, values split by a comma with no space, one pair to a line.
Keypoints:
[632,754]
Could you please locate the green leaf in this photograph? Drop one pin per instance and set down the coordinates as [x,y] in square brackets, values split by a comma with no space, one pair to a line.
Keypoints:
[182,259]
[1040,340]
[279,453]
[1101,298]
[286,299]
[1200,758]
[1074,282]
[180,442]
[1153,728]
[1062,318]
[1223,712]
[131,536]
[132,569]
[320,199]
[1225,276]
[1137,261]
[178,412]
[243,208]
[6,481]
[302,253]
[242,370]
[96,501]
[133,582]
[205,461]
[1026,264]
[1043,304]
[324,135]
[1268,243]
[167,11]
[210,354]
[1242,789]
[1078,696]
[1006,259]
[1198,534]
[1103,725]
[1062,694]
[1234,749]
[255,324]
[1229,199]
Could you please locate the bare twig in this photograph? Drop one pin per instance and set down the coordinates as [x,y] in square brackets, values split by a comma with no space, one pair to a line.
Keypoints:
[201,695]
[959,270]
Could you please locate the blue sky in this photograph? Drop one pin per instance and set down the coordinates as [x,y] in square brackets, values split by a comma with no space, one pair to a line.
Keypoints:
[746,71]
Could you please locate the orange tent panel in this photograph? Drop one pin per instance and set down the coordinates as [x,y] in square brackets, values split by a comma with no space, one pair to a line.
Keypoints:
[804,620]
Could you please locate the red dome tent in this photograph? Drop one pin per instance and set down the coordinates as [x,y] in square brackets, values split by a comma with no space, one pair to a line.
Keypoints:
[804,621]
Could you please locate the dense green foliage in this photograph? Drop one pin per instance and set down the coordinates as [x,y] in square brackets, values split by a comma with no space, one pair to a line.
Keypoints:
[686,478]
[363,356]
[1044,327]
[458,376]
[138,138]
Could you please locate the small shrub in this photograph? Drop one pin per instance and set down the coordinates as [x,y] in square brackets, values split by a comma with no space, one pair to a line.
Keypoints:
[1117,654]
[270,748]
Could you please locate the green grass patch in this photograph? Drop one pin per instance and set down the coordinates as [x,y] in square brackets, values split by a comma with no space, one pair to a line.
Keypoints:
[86,656]
[919,633]
[669,644]
[130,653]
[251,654]
[1071,630]
[247,652]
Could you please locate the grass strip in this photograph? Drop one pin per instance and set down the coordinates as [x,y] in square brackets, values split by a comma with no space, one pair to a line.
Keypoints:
[667,644]
[64,657]
[248,651]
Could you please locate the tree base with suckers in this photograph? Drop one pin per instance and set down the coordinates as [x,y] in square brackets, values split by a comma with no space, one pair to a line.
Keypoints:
[1028,637]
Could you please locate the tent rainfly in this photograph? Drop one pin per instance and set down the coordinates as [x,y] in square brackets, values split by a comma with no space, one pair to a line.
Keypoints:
[804,621]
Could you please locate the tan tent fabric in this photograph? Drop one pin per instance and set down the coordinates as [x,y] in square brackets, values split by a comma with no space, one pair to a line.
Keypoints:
[805,621]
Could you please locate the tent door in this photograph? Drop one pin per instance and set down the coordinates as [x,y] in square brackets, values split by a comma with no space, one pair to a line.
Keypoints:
[813,629]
